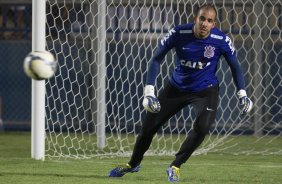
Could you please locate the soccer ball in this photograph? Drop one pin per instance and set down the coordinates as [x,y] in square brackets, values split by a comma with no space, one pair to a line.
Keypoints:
[40,65]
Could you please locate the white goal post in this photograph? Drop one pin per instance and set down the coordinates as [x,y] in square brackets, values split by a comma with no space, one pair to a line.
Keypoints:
[103,48]
[38,87]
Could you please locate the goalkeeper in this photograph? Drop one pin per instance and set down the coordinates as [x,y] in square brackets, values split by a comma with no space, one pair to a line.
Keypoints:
[198,46]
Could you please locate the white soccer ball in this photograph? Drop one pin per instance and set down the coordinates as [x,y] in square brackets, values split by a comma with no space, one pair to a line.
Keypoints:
[40,65]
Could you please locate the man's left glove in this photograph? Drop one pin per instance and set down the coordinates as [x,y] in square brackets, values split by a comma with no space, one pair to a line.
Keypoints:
[244,101]
[150,101]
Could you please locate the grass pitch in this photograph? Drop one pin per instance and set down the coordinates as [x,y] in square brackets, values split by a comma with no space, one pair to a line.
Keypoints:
[17,167]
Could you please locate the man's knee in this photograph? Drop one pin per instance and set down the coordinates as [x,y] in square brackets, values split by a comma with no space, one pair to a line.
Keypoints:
[203,130]
[202,127]
[204,122]
[147,132]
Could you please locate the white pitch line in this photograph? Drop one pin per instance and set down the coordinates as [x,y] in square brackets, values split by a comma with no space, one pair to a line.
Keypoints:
[254,164]
[217,164]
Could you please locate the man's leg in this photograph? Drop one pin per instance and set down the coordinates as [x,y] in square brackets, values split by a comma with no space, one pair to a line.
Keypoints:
[206,104]
[171,103]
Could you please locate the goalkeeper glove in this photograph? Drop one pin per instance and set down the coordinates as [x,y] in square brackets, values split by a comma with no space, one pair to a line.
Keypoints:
[150,101]
[244,101]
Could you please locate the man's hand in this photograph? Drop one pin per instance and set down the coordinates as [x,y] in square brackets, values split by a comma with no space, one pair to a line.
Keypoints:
[150,101]
[244,101]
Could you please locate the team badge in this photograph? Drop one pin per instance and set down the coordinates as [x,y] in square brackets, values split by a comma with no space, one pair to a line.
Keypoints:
[209,51]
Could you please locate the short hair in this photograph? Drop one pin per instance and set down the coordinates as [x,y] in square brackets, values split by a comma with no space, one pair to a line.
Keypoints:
[207,7]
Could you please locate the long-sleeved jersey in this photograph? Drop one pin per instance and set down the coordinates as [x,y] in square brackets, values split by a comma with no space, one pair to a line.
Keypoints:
[197,59]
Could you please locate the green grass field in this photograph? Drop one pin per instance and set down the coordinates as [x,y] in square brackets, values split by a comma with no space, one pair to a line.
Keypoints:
[16,166]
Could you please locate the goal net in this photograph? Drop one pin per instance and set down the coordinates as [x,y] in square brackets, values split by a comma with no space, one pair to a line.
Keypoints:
[93,103]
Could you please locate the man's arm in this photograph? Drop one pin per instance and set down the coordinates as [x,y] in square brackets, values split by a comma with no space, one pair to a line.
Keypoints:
[154,67]
[238,78]
[237,74]
[150,102]
[166,44]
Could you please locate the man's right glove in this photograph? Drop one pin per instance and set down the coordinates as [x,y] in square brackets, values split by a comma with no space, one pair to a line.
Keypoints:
[150,101]
[245,101]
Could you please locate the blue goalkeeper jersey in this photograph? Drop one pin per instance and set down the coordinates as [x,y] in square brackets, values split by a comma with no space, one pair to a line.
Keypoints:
[197,59]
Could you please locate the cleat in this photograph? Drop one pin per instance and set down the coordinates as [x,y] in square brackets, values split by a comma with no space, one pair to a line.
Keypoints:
[119,171]
[173,173]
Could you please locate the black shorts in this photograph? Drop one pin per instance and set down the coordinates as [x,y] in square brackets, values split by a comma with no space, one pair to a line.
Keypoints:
[172,100]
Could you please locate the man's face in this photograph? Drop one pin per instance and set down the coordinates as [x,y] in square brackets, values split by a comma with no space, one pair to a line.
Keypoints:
[204,22]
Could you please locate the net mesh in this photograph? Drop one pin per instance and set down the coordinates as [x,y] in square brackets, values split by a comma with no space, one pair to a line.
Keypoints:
[103,47]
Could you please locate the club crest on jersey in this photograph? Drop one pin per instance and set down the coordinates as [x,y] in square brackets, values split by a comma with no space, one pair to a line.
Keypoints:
[209,51]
